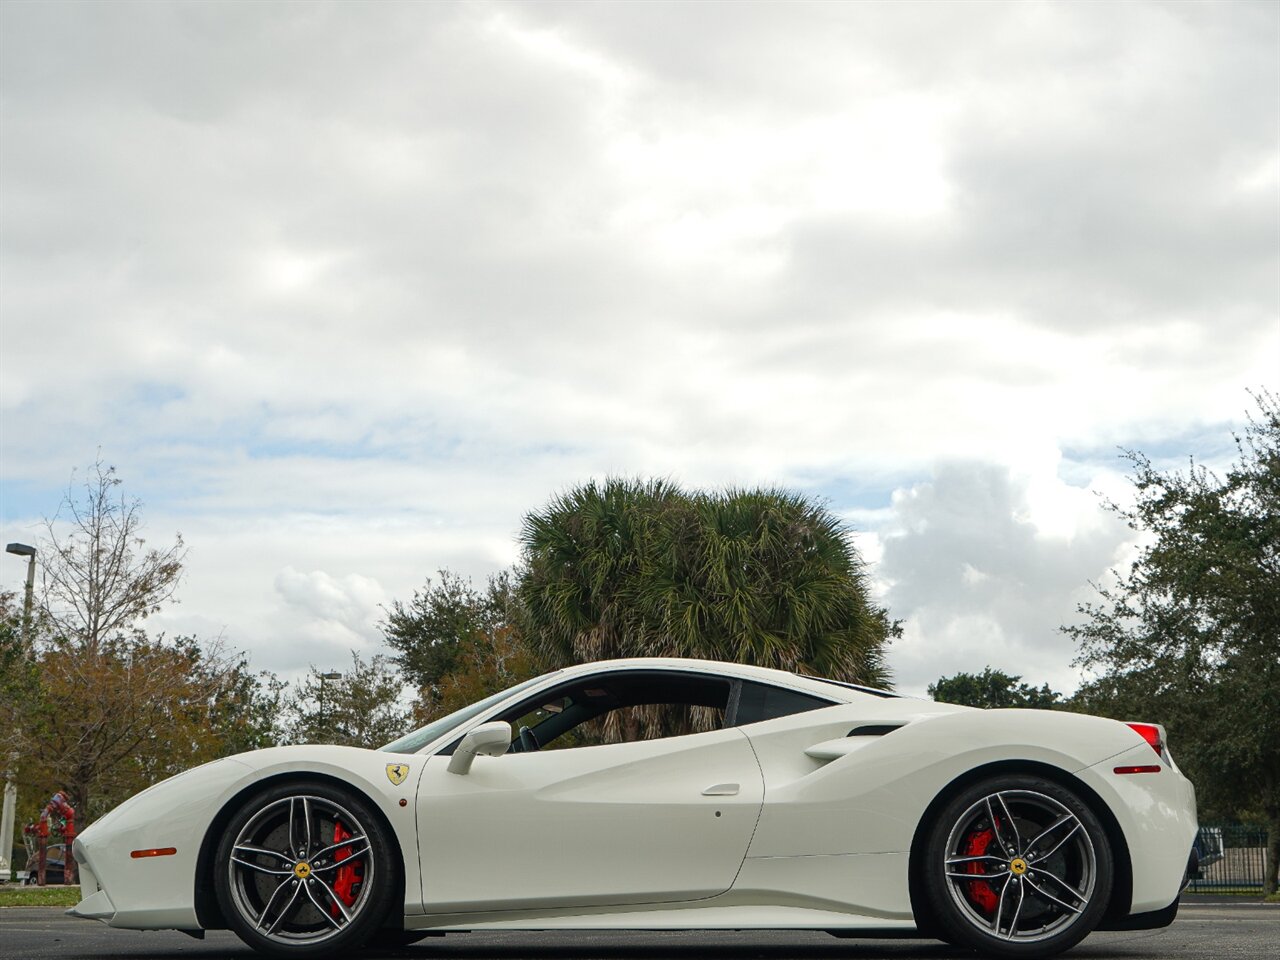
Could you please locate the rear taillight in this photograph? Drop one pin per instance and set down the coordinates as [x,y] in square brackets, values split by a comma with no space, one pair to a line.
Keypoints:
[1150,733]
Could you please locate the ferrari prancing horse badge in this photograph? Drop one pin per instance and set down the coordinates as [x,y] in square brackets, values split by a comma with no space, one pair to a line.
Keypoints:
[396,772]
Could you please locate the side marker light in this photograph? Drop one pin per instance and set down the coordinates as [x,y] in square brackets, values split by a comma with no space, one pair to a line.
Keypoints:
[157,852]
[1152,768]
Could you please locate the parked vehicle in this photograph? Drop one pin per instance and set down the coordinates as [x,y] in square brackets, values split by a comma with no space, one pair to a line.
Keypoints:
[55,866]
[1208,849]
[666,794]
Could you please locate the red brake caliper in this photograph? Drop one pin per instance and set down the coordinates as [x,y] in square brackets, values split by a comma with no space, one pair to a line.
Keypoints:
[980,892]
[347,882]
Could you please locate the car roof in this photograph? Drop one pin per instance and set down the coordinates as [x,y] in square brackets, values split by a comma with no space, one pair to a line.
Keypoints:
[831,689]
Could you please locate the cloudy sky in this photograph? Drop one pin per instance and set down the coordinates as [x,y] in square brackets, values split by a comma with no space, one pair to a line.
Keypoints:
[343,290]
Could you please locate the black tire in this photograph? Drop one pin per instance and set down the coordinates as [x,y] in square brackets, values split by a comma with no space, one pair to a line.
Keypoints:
[1040,864]
[305,869]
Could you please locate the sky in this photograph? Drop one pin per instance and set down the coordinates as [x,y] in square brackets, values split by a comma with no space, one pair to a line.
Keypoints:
[344,290]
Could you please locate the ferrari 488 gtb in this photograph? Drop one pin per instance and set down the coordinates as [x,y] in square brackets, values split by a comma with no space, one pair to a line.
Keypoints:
[662,795]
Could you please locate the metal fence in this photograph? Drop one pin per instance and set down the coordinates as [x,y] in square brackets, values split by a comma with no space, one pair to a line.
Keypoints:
[1232,858]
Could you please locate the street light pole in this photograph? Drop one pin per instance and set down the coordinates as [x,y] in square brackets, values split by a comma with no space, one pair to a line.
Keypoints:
[11,788]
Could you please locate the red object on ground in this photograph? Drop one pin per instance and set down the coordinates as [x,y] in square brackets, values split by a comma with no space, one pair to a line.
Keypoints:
[57,806]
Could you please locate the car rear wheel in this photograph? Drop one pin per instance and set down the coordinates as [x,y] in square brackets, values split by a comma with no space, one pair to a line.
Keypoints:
[305,870]
[1017,866]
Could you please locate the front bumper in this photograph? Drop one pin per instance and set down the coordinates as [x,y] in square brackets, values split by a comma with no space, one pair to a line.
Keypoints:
[94,903]
[152,893]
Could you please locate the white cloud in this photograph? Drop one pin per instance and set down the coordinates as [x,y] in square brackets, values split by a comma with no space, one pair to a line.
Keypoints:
[351,602]
[983,574]
[345,289]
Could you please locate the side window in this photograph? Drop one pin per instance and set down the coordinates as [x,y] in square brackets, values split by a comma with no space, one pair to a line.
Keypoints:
[620,708]
[544,710]
[759,701]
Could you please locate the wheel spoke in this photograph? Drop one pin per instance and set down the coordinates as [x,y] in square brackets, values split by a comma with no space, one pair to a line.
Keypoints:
[306,818]
[1008,817]
[293,832]
[996,875]
[1049,896]
[266,910]
[1065,818]
[333,895]
[260,868]
[261,852]
[1057,846]
[323,912]
[361,842]
[995,921]
[995,829]
[985,856]
[1017,912]
[1041,872]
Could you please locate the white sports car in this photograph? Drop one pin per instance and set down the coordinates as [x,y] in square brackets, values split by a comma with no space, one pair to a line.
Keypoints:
[771,800]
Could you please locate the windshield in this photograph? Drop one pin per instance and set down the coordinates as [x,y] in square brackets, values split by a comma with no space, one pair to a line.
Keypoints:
[413,742]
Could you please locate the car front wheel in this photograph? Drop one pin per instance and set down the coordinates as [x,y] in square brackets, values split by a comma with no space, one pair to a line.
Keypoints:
[305,870]
[1017,866]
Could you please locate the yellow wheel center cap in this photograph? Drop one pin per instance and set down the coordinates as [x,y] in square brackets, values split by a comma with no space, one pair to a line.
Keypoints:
[302,869]
[1018,866]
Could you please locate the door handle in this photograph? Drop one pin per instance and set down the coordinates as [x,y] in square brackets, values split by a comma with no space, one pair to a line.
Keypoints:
[721,790]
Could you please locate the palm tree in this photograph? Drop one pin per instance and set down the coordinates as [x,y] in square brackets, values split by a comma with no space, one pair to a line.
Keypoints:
[642,568]
[587,556]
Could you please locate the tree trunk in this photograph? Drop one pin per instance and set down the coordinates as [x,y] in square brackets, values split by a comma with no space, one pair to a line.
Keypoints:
[78,796]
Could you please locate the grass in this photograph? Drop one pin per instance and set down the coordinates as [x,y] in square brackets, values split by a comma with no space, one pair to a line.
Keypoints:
[12,895]
[1274,898]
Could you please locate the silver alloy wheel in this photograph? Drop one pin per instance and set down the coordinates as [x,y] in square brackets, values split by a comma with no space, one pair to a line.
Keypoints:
[284,868]
[1032,855]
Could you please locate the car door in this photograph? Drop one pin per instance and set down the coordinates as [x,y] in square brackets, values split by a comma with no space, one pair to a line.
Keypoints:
[643,822]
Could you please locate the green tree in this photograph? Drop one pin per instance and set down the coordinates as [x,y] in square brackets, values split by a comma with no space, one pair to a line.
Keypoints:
[251,712]
[442,623]
[112,720]
[993,688]
[631,568]
[19,679]
[489,663]
[1189,635]
[19,693]
[113,710]
[362,709]
[92,705]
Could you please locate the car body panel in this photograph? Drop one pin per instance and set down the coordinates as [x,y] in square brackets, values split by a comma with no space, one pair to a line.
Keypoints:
[818,835]
[521,828]
[871,800]
[770,893]
[153,893]
[1157,814]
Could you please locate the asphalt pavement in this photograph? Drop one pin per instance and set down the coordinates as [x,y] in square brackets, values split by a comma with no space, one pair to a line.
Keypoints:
[1229,931]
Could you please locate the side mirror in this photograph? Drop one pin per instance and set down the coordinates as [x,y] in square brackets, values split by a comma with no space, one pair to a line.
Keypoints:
[490,739]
